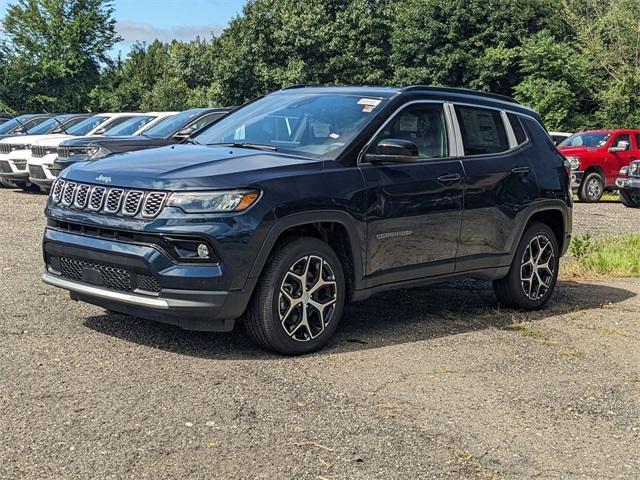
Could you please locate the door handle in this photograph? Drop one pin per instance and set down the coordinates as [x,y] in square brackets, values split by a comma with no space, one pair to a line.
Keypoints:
[520,170]
[449,179]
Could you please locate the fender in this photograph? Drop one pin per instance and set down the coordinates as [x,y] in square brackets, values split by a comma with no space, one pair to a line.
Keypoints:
[540,207]
[356,240]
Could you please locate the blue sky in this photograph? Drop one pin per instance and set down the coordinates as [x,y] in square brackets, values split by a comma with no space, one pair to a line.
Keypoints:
[146,20]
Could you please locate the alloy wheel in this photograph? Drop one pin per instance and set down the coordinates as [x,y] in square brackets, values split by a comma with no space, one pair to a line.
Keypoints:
[307,298]
[537,268]
[594,188]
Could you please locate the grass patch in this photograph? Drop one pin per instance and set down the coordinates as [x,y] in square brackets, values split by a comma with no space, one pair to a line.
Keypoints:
[527,331]
[609,257]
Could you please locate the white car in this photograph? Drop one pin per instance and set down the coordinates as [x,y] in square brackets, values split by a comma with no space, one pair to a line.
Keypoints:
[559,137]
[14,151]
[44,151]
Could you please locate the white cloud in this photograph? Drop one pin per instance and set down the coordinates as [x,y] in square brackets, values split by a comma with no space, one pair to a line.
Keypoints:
[133,32]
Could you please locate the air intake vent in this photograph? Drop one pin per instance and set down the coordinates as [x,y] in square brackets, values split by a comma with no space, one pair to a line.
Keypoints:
[114,200]
[132,203]
[97,198]
[69,191]
[82,196]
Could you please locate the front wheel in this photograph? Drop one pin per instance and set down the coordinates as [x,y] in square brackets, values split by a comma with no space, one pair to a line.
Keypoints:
[630,198]
[592,188]
[299,298]
[534,270]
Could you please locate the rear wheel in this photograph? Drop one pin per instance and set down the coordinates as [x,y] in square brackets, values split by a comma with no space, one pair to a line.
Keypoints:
[592,188]
[299,298]
[534,270]
[630,198]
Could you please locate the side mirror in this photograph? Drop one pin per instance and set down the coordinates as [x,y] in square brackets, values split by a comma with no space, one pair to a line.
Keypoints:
[184,133]
[394,150]
[100,131]
[620,147]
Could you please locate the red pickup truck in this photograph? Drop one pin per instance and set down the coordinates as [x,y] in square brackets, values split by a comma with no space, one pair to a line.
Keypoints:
[596,158]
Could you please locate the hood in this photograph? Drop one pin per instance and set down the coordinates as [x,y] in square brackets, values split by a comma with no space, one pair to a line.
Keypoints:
[101,140]
[576,151]
[29,139]
[190,167]
[51,140]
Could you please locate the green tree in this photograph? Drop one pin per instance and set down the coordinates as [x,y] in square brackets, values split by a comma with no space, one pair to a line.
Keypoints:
[608,33]
[467,43]
[278,43]
[56,49]
[556,80]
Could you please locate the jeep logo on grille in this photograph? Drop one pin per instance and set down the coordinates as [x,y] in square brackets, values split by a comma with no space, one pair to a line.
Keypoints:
[103,179]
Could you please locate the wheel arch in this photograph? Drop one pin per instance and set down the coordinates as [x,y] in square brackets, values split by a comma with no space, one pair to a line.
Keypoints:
[336,228]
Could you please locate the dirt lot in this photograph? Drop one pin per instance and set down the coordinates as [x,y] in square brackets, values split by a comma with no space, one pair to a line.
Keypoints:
[429,383]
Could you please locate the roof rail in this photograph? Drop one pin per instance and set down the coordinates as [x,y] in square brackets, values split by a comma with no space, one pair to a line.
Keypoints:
[464,91]
[301,85]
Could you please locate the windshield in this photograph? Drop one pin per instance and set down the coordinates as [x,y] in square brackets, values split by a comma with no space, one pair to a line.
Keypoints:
[586,140]
[26,120]
[314,125]
[130,126]
[49,125]
[171,125]
[86,126]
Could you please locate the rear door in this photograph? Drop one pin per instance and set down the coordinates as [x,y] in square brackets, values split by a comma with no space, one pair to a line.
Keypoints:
[414,208]
[500,185]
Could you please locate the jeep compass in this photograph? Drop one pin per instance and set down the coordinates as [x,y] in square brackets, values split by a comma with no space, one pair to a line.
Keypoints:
[312,197]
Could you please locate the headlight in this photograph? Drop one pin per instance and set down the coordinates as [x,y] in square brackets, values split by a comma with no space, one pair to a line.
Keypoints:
[575,162]
[624,171]
[634,169]
[213,202]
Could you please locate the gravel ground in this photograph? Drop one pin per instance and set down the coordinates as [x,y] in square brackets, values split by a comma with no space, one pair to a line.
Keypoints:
[427,383]
[605,219]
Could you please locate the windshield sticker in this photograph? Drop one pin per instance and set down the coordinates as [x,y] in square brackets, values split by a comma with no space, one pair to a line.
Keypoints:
[369,104]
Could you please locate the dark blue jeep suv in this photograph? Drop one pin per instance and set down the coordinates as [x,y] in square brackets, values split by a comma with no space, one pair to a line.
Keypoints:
[308,198]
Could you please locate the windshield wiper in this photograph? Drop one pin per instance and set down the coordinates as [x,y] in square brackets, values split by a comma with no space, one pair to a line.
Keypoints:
[190,140]
[255,146]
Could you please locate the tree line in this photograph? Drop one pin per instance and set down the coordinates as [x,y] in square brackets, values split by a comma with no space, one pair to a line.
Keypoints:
[577,62]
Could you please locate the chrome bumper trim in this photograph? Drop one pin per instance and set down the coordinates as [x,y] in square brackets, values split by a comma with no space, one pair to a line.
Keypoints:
[83,289]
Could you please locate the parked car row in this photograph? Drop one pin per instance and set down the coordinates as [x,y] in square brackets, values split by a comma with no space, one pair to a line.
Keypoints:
[36,148]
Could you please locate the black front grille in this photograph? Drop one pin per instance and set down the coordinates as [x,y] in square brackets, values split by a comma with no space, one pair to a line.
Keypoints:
[4,166]
[6,148]
[153,204]
[64,152]
[147,283]
[68,194]
[82,196]
[37,172]
[109,200]
[132,203]
[98,274]
[114,199]
[39,152]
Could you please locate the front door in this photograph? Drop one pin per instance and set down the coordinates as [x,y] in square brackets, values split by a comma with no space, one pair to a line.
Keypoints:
[414,209]
[617,160]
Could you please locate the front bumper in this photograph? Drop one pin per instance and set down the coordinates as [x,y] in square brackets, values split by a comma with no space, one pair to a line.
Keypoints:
[576,179]
[40,171]
[14,171]
[626,183]
[140,280]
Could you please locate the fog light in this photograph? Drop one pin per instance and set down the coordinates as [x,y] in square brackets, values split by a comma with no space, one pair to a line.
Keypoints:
[203,251]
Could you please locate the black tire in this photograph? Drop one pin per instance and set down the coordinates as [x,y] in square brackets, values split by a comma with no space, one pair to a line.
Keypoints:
[510,290]
[289,335]
[592,188]
[630,199]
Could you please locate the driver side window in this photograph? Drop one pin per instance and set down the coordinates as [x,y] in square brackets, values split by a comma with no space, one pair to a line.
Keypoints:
[422,124]
[625,137]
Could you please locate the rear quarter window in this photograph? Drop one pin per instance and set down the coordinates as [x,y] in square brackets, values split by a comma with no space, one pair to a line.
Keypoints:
[483,131]
[518,130]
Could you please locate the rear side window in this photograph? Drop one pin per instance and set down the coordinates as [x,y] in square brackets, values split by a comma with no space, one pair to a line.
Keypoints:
[482,130]
[638,141]
[516,126]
